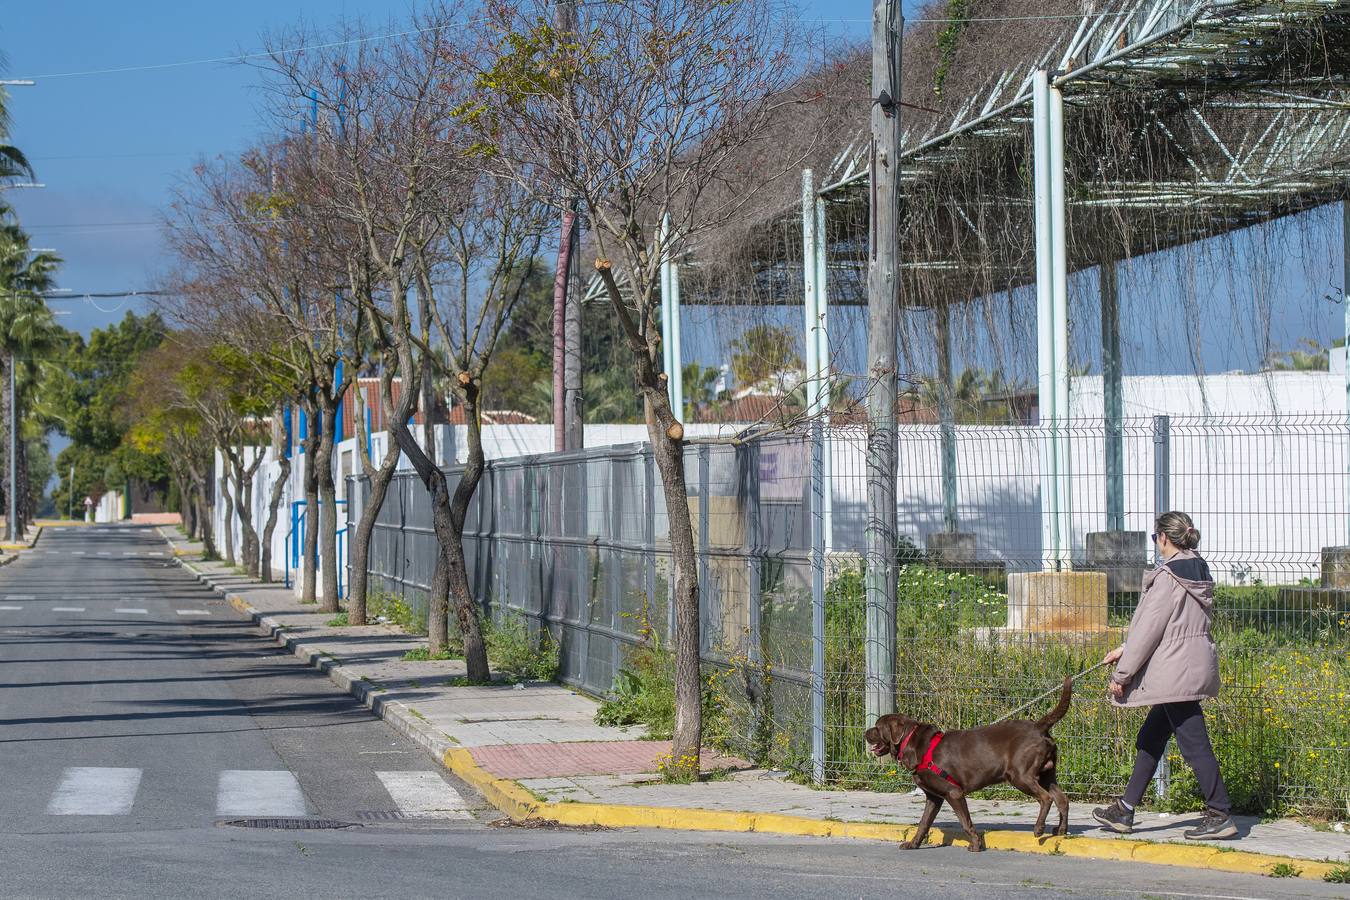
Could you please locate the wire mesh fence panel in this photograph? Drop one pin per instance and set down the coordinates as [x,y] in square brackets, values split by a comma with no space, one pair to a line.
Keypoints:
[1019,559]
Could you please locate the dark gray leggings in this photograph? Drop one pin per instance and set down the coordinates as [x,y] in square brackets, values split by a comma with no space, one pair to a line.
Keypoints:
[1187,721]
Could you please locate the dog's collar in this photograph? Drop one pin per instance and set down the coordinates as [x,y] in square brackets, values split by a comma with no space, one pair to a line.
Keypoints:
[900,751]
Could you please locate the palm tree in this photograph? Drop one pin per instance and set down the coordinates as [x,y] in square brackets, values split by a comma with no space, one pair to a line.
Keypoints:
[12,161]
[28,331]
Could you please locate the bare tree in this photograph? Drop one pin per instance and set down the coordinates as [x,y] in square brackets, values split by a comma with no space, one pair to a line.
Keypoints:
[643,114]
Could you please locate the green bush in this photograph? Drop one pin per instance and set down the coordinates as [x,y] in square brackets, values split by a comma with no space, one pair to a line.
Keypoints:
[518,654]
[1280,728]
[393,608]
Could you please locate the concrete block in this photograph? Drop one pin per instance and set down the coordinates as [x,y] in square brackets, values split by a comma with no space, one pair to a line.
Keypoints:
[1336,567]
[1057,601]
[1122,555]
[951,548]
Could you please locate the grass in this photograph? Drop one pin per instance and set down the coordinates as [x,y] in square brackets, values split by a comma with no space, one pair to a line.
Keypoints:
[394,609]
[1284,870]
[338,621]
[518,652]
[424,654]
[1279,727]
[1338,875]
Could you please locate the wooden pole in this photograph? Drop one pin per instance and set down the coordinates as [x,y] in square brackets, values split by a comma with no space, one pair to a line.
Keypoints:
[883,301]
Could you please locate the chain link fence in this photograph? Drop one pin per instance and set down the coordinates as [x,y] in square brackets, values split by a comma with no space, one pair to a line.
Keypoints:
[1018,561]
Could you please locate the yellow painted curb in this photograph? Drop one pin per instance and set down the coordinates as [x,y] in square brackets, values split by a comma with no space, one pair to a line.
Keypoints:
[518,803]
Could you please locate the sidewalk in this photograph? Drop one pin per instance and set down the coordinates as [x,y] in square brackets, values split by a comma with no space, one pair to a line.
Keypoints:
[535,752]
[11,551]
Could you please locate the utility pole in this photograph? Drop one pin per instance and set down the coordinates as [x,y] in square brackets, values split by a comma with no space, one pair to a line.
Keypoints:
[883,301]
[567,418]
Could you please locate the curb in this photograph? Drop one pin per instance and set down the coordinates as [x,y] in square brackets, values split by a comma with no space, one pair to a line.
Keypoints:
[520,804]
[15,550]
[397,714]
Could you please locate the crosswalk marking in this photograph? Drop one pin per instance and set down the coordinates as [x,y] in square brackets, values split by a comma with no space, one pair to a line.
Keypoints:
[192,612]
[259,792]
[95,791]
[20,597]
[133,611]
[67,609]
[424,795]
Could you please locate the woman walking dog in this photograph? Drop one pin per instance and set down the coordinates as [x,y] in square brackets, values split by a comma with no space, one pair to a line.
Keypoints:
[1168,662]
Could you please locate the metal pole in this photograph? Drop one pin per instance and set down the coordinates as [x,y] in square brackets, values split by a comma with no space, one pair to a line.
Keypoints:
[809,290]
[817,341]
[12,531]
[822,303]
[1345,300]
[1060,285]
[1045,340]
[1162,467]
[71,511]
[676,349]
[819,489]
[667,313]
[1162,502]
[1112,397]
[883,301]
[946,417]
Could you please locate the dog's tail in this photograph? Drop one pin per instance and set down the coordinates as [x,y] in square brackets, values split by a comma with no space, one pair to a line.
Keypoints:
[1049,719]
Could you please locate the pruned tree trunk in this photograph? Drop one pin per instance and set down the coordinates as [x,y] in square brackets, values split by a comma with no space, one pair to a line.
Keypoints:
[323,464]
[438,607]
[378,479]
[273,507]
[466,606]
[443,522]
[229,522]
[667,439]
[310,545]
[243,496]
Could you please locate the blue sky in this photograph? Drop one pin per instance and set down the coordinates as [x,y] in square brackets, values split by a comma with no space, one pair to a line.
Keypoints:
[110,146]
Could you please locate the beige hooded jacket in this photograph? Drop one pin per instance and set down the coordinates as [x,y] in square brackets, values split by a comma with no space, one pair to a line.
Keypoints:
[1169,655]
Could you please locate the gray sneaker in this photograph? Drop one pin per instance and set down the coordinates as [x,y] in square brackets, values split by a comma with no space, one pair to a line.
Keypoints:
[1214,826]
[1115,817]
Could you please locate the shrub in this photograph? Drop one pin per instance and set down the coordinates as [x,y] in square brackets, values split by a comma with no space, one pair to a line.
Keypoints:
[518,654]
[394,609]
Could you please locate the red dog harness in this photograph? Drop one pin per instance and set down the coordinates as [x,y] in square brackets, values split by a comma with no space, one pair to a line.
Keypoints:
[926,764]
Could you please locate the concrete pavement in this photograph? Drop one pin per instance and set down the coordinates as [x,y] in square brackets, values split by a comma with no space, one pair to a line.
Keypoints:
[539,740]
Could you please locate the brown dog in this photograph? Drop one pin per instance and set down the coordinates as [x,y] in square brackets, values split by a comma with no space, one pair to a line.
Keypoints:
[950,766]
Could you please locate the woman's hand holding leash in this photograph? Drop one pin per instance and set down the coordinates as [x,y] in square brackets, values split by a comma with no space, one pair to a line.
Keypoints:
[1117,690]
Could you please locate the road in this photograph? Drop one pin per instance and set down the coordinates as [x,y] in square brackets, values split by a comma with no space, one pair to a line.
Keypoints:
[139,714]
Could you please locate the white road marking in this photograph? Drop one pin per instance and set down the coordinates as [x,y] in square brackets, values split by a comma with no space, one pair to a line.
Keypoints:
[78,552]
[259,792]
[133,611]
[94,791]
[20,597]
[192,612]
[11,608]
[67,609]
[105,553]
[424,795]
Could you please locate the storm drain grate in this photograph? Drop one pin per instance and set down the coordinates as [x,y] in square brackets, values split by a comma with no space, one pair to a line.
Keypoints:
[290,824]
[381,815]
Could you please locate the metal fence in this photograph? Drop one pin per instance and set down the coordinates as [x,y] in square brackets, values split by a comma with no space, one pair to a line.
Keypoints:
[1014,568]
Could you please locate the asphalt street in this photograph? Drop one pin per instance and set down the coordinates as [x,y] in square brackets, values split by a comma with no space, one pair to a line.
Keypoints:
[147,729]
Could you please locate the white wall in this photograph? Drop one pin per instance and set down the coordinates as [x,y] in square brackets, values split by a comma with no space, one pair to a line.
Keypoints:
[1266,497]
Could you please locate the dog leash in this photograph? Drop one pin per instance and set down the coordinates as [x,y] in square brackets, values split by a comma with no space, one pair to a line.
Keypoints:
[1039,697]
